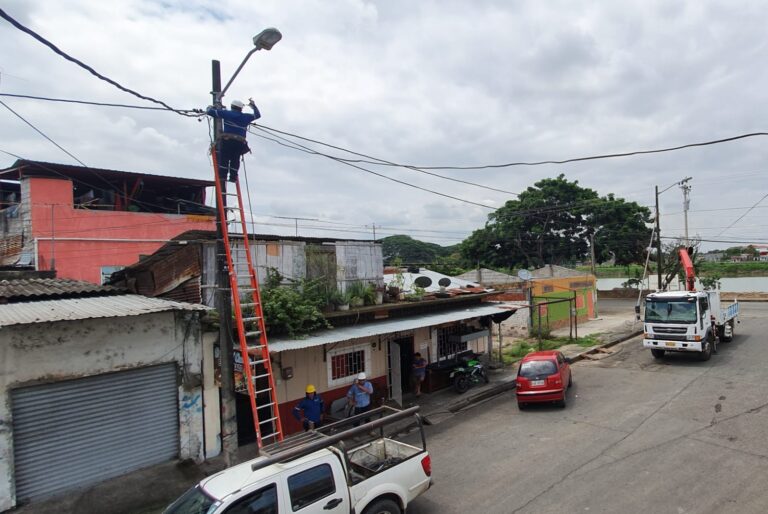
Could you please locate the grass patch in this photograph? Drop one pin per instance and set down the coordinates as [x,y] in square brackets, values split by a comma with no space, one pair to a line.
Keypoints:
[516,351]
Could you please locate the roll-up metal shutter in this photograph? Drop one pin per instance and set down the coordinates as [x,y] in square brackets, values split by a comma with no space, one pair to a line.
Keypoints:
[74,433]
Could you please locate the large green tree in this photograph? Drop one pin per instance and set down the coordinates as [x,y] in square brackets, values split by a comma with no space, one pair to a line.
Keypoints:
[412,251]
[553,221]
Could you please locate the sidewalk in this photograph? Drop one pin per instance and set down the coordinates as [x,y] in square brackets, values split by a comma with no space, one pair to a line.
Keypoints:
[150,490]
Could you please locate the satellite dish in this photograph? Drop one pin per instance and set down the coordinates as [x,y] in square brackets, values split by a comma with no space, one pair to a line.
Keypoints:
[444,282]
[423,281]
[524,274]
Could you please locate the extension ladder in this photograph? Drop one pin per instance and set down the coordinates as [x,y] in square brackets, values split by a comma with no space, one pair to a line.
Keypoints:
[259,382]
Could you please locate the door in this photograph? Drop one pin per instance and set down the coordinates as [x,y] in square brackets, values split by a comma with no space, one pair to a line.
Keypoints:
[395,375]
[74,433]
[320,489]
[406,363]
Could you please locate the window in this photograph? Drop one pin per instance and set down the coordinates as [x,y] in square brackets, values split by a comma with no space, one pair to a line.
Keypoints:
[530,369]
[106,272]
[194,501]
[263,501]
[310,486]
[346,363]
[445,347]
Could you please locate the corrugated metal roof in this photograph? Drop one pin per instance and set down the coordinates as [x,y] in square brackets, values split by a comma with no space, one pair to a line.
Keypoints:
[338,335]
[86,308]
[30,288]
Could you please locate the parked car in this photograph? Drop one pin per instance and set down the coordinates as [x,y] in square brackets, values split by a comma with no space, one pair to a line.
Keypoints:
[543,377]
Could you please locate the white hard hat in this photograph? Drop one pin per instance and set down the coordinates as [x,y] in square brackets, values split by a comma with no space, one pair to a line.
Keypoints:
[238,104]
[361,376]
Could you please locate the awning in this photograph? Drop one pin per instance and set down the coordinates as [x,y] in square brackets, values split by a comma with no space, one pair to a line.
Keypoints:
[388,326]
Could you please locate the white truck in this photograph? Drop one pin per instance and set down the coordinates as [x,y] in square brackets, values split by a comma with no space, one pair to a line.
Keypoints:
[332,469]
[687,321]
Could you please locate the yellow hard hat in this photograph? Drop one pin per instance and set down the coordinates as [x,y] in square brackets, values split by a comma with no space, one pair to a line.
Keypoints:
[310,388]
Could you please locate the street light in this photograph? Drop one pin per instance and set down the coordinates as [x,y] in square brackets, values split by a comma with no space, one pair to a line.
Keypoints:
[266,39]
[658,230]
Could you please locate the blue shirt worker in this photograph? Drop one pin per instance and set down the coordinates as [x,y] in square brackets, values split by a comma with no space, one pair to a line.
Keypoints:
[359,395]
[232,143]
[309,411]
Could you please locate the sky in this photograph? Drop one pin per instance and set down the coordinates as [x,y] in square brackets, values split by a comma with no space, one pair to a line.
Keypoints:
[428,83]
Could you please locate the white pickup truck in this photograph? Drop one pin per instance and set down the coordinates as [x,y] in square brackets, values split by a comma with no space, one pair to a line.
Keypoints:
[329,470]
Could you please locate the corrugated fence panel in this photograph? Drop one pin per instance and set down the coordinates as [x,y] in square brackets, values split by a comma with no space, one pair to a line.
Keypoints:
[74,433]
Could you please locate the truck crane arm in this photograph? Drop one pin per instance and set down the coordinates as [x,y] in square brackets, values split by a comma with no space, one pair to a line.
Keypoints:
[690,274]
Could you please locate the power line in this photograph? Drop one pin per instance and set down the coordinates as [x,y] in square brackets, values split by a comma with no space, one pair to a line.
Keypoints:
[68,57]
[742,216]
[40,131]
[366,170]
[85,102]
[377,161]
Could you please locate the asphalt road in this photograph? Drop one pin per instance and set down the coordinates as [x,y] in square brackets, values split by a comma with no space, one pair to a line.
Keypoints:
[638,436]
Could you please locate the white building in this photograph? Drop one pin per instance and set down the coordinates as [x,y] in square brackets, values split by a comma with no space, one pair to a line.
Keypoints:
[94,384]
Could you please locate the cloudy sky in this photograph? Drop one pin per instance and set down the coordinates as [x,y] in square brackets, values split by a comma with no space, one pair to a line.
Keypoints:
[428,83]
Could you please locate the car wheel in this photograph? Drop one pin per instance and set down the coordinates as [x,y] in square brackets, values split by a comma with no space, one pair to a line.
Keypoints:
[522,405]
[383,506]
[562,403]
[657,354]
[570,380]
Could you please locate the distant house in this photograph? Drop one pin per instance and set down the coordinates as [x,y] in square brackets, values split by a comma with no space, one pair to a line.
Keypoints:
[713,256]
[96,383]
[553,283]
[86,222]
[378,339]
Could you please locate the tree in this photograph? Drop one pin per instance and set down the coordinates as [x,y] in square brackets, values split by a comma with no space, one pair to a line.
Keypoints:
[412,251]
[552,223]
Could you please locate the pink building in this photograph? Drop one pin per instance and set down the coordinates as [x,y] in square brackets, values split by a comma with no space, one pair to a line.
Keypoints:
[85,223]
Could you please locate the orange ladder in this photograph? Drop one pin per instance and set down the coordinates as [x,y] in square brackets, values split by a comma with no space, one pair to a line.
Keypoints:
[259,382]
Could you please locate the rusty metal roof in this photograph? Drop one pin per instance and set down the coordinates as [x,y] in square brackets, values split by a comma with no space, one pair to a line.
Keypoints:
[87,308]
[341,334]
[30,289]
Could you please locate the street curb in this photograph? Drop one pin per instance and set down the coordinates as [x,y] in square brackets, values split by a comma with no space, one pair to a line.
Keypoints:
[608,344]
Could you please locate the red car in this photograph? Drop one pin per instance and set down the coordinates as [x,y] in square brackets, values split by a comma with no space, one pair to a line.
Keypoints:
[543,377]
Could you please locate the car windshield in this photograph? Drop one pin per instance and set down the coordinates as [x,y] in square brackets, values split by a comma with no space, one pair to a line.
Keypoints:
[194,501]
[537,368]
[671,311]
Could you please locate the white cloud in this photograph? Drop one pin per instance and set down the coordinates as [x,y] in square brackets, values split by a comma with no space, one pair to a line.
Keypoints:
[427,83]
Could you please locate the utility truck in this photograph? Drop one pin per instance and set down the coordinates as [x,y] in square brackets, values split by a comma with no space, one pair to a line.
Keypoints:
[687,321]
[335,468]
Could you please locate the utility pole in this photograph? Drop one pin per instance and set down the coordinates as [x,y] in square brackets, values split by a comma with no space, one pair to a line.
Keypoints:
[594,266]
[686,205]
[658,239]
[228,408]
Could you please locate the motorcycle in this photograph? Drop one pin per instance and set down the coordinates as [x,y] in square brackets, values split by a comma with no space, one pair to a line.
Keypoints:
[470,372]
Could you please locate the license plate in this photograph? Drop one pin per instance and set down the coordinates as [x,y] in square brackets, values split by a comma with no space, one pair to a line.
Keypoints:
[537,382]
[670,343]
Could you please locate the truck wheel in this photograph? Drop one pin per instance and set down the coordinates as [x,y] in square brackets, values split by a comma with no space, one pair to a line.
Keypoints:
[728,339]
[706,352]
[657,354]
[383,506]
[461,384]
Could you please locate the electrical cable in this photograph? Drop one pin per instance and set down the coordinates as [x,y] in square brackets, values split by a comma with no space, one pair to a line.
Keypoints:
[100,104]
[41,132]
[742,216]
[380,162]
[66,56]
[366,170]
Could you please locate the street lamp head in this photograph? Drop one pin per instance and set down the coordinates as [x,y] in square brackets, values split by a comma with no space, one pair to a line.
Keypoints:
[267,38]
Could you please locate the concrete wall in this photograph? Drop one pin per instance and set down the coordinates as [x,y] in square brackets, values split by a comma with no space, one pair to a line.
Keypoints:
[82,241]
[48,352]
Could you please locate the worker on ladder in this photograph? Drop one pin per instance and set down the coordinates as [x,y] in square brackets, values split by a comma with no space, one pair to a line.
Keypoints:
[232,144]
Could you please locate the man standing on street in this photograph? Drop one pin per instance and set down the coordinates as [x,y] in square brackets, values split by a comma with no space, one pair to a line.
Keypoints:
[359,395]
[309,411]
[232,143]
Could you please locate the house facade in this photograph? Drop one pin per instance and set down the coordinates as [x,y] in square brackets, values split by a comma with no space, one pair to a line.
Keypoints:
[551,288]
[378,339]
[85,223]
[95,383]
